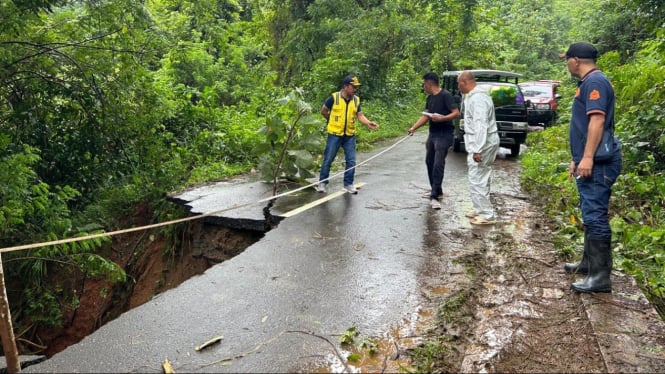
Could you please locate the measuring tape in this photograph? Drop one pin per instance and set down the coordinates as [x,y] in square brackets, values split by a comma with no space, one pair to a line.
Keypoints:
[181,220]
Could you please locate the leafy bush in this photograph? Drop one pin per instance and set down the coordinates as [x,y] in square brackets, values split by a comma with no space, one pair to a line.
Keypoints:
[31,209]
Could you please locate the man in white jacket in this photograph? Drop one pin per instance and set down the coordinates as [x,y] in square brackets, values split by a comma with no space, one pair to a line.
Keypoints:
[482,145]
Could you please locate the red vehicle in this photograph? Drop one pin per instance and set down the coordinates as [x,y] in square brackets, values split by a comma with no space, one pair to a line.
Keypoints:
[544,99]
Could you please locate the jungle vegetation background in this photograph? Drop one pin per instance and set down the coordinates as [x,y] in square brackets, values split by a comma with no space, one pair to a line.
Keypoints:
[109,105]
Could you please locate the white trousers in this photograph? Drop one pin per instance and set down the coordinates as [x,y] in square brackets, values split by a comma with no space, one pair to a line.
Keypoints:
[480,175]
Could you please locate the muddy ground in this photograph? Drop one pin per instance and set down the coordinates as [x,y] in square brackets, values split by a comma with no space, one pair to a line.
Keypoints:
[508,307]
[501,302]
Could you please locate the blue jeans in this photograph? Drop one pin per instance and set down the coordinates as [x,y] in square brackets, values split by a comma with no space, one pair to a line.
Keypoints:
[334,142]
[435,158]
[595,194]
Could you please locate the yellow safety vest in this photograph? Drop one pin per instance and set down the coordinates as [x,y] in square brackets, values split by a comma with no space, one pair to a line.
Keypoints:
[342,120]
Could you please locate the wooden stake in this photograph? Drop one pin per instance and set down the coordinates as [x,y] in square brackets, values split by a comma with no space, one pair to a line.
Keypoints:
[6,329]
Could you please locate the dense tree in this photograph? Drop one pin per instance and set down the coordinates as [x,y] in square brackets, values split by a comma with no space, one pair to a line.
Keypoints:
[626,24]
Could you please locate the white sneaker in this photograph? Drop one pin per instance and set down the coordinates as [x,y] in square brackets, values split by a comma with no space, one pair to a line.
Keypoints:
[471,213]
[482,221]
[351,189]
[428,195]
[321,187]
[435,204]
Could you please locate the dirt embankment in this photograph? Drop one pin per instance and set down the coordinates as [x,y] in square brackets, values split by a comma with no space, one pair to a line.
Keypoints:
[154,263]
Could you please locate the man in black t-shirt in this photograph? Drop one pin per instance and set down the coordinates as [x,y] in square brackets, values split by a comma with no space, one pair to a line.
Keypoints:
[440,111]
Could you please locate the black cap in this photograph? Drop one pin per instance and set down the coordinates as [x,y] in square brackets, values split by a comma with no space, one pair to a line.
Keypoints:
[352,80]
[581,50]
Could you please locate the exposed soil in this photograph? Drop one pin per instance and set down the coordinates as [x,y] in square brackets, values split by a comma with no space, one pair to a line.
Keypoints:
[526,317]
[153,264]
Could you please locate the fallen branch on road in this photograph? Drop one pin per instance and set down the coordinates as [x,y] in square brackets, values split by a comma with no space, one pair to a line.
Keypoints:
[208,343]
[612,302]
[537,259]
[339,355]
[241,355]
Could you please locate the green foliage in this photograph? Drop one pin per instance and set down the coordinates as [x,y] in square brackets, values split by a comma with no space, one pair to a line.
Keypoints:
[43,308]
[641,253]
[545,170]
[641,97]
[27,205]
[43,274]
[435,354]
[503,95]
[216,170]
[31,209]
[638,220]
[428,357]
[349,336]
[330,39]
[361,343]
[625,23]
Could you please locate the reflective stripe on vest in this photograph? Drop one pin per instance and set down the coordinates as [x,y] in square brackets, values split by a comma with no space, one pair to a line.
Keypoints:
[342,120]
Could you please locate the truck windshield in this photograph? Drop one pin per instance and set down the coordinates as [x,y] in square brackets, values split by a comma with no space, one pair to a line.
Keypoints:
[537,91]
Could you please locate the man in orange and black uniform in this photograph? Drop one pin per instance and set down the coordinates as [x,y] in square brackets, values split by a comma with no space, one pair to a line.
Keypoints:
[592,115]
[340,110]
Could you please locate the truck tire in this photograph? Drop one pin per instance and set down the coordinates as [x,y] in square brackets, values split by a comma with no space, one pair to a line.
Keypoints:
[457,145]
[515,150]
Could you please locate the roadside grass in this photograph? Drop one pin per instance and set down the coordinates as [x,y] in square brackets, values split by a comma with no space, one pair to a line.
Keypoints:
[393,119]
[440,352]
[428,357]
[442,349]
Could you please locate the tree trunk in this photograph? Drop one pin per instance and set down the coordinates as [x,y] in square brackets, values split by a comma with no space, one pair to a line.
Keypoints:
[6,329]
